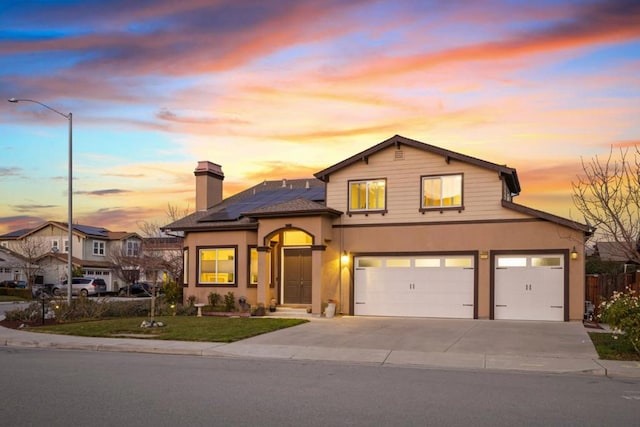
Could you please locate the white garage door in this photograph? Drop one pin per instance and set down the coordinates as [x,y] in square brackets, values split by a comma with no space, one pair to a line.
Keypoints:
[418,286]
[529,287]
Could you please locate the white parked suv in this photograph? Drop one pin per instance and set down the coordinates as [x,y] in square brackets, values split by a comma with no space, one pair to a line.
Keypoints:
[84,286]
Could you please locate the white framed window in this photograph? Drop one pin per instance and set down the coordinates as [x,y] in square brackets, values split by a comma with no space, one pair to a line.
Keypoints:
[217,266]
[4,244]
[98,248]
[367,195]
[440,192]
[66,246]
[133,248]
[55,246]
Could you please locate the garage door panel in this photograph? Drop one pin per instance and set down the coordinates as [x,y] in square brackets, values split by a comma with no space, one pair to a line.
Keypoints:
[533,290]
[424,288]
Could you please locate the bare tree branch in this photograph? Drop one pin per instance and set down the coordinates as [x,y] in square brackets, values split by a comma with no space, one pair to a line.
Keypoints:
[608,196]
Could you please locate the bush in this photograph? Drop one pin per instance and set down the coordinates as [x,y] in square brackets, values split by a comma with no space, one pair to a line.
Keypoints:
[622,313]
[229,302]
[214,299]
[173,292]
[30,313]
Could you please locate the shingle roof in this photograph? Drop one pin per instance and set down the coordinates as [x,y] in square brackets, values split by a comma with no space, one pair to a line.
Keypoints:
[614,251]
[549,217]
[295,207]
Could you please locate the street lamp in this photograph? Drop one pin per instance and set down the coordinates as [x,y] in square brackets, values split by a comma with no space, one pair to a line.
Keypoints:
[70,191]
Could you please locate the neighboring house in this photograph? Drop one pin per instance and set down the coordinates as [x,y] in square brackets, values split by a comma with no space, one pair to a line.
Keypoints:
[93,249]
[162,258]
[401,229]
[12,266]
[619,253]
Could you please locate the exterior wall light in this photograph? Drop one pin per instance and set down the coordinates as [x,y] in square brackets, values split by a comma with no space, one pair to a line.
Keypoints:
[344,258]
[484,255]
[574,253]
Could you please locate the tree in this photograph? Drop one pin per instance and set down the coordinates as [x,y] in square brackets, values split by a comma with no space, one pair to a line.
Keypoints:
[162,252]
[608,196]
[31,249]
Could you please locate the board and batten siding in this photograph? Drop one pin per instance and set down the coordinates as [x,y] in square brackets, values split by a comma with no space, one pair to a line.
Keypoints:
[482,188]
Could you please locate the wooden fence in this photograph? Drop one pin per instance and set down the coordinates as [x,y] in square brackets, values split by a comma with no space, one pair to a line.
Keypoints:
[600,287]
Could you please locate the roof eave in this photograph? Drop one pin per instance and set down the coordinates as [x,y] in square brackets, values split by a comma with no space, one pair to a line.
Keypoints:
[586,229]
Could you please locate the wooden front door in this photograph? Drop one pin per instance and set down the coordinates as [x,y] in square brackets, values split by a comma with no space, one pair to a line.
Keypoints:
[297,276]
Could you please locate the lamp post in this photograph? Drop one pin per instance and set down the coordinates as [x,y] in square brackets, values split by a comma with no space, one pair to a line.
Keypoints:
[69,190]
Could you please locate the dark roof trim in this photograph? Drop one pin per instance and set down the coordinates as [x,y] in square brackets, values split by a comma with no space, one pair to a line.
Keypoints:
[588,230]
[509,174]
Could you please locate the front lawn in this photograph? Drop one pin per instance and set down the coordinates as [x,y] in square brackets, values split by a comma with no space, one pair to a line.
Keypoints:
[613,346]
[180,328]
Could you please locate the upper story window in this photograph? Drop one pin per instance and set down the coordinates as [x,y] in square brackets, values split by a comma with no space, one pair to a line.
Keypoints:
[133,248]
[367,195]
[55,246]
[441,192]
[66,246]
[98,247]
[217,266]
[4,244]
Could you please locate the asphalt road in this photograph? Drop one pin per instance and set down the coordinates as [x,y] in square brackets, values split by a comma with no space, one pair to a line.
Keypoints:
[62,388]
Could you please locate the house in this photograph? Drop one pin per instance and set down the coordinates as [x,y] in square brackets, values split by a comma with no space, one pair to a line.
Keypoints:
[403,228]
[12,266]
[47,245]
[621,254]
[162,258]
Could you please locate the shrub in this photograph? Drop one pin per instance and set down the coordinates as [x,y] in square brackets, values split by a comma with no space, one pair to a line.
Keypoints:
[30,313]
[173,292]
[191,300]
[622,313]
[229,302]
[214,299]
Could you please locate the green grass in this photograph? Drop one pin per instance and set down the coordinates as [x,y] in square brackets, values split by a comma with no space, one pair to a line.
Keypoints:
[613,346]
[180,328]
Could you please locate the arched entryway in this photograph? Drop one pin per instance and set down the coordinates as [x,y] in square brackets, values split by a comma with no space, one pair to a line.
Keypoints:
[292,266]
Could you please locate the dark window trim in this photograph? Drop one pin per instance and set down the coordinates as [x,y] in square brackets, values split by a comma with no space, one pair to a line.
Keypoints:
[367,211]
[249,284]
[441,209]
[233,284]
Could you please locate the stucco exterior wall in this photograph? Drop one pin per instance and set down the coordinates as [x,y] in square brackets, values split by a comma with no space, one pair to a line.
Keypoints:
[241,239]
[532,235]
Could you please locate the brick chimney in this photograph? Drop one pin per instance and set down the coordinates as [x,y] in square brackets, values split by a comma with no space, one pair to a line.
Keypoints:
[209,179]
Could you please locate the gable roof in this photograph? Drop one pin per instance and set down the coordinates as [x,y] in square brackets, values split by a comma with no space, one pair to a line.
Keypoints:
[86,230]
[614,251]
[509,174]
[264,199]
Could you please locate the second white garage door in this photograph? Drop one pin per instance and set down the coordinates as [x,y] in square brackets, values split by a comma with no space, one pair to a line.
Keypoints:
[529,287]
[416,286]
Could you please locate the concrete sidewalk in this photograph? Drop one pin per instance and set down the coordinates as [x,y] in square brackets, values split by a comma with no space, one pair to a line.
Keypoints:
[549,347]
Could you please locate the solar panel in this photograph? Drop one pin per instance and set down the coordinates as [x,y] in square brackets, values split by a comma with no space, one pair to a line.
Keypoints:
[263,199]
[87,229]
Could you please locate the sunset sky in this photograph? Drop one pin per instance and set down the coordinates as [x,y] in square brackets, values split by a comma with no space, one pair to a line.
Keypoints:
[282,89]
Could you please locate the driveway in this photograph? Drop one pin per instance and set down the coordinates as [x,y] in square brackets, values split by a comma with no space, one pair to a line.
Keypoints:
[455,343]
[492,337]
